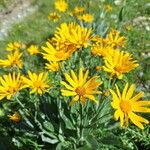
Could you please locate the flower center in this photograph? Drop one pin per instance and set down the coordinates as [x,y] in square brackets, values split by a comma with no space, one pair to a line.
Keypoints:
[59,54]
[125,106]
[80,91]
[117,68]
[37,84]
[120,68]
[14,62]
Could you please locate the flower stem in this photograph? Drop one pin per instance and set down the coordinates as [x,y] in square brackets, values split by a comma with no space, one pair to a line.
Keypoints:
[81,124]
[20,103]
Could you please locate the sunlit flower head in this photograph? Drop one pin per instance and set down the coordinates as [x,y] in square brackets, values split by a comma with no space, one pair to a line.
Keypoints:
[53,16]
[87,18]
[115,40]
[98,68]
[80,87]
[52,66]
[13,46]
[15,117]
[9,85]
[38,83]
[33,49]
[13,60]
[61,5]
[108,8]
[101,49]
[52,54]
[97,39]
[119,62]
[77,10]
[127,105]
[72,35]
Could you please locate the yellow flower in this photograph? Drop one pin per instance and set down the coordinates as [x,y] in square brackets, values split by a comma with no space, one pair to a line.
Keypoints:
[79,87]
[33,49]
[15,117]
[53,16]
[126,106]
[52,66]
[13,60]
[77,10]
[115,40]
[108,8]
[87,18]
[107,93]
[72,35]
[14,46]
[97,39]
[9,85]
[98,68]
[101,49]
[61,5]
[37,82]
[128,27]
[52,54]
[119,63]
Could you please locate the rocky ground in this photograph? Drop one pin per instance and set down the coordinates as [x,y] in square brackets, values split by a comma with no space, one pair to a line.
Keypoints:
[14,13]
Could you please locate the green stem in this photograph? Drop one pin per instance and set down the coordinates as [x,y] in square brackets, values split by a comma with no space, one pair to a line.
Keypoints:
[109,83]
[81,122]
[59,104]
[114,81]
[20,103]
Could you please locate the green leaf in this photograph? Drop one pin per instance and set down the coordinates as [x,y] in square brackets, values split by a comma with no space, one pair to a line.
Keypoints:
[111,139]
[120,17]
[48,126]
[49,140]
[68,123]
[86,147]
[62,146]
[105,118]
[92,142]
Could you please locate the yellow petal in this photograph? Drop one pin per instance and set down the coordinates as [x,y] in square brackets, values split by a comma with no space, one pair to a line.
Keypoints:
[67,86]
[70,81]
[137,120]
[121,118]
[137,108]
[116,100]
[118,91]
[31,76]
[124,91]
[74,77]
[85,76]
[142,103]
[80,77]
[130,92]
[83,100]
[33,90]
[91,97]
[137,97]
[1,96]
[119,75]
[117,114]
[96,92]
[40,76]
[74,100]
[68,93]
